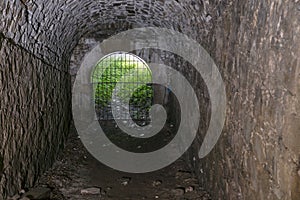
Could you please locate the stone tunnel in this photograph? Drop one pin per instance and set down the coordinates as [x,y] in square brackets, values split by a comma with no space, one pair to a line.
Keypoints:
[255,45]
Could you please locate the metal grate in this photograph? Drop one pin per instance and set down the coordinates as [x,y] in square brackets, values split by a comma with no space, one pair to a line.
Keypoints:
[129,78]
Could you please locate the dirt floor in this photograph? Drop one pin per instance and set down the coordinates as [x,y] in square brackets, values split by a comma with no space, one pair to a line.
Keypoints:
[77,175]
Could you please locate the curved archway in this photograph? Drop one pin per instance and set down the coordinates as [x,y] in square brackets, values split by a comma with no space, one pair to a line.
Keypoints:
[133,77]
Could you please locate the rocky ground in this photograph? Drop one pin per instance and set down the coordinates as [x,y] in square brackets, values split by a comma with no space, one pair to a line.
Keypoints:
[76,175]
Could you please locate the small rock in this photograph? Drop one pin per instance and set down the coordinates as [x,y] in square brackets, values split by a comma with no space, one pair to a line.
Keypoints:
[108,188]
[91,191]
[156,197]
[22,192]
[38,193]
[208,17]
[189,189]
[156,183]
[178,191]
[125,180]
[125,183]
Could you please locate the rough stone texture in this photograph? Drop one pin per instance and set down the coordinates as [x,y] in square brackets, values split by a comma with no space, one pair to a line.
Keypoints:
[255,44]
[50,29]
[34,116]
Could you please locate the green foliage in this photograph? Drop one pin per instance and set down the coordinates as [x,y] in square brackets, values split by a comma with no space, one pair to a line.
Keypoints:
[131,76]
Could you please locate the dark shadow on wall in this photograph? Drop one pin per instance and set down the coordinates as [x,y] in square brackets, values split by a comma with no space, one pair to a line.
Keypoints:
[1,166]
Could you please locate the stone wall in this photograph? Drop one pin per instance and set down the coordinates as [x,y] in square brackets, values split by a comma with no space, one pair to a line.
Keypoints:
[34,116]
[256,46]
[254,43]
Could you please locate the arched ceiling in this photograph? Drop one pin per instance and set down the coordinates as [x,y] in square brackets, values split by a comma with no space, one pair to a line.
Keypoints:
[51,29]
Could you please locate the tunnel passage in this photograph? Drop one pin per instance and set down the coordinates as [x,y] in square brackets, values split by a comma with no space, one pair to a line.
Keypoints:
[123,81]
[254,43]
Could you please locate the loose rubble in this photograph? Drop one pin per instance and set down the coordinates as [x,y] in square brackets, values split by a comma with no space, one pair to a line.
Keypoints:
[39,193]
[91,191]
[78,176]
